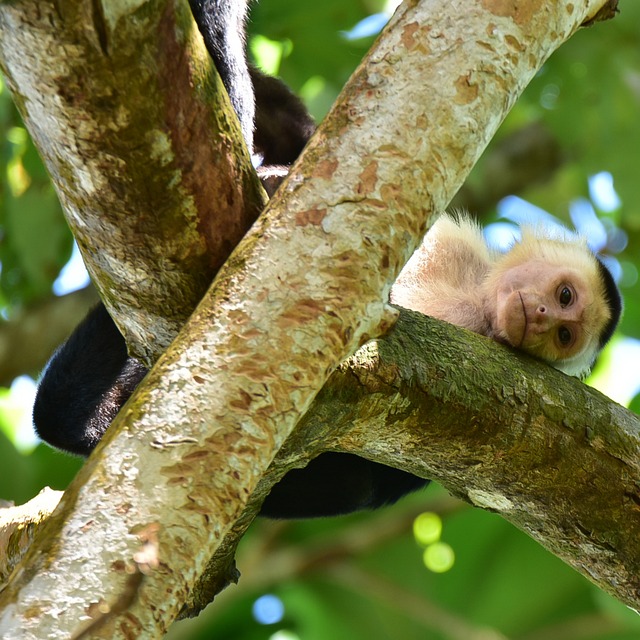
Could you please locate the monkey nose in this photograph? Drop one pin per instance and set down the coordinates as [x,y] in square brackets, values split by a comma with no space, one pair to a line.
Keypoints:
[541,320]
[540,315]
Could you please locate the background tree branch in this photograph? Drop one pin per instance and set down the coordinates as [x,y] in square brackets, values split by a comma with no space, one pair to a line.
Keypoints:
[28,339]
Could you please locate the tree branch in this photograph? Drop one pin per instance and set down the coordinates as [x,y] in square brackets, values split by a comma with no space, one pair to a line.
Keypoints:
[554,457]
[154,179]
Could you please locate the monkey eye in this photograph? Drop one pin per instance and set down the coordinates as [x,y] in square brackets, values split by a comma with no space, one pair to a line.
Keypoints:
[565,296]
[565,336]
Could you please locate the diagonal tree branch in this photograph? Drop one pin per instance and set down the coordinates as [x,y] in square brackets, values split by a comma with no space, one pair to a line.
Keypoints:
[557,459]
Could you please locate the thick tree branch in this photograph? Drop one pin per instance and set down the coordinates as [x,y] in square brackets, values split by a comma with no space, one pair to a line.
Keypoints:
[304,288]
[553,456]
[557,459]
[129,117]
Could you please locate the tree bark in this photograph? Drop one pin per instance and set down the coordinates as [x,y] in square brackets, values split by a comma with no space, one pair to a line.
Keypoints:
[142,147]
[305,287]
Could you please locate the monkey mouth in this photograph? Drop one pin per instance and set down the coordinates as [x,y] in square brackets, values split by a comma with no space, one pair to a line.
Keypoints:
[526,321]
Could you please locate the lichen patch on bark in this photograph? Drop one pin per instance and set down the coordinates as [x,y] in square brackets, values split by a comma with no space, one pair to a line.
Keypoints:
[466,89]
[521,11]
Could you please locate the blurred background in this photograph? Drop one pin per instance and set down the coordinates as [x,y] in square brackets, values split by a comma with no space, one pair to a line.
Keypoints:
[431,567]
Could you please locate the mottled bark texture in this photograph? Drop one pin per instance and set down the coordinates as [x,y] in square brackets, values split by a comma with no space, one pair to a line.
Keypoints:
[302,291]
[131,121]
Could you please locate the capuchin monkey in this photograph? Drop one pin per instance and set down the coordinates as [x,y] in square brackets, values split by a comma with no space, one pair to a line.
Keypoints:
[552,298]
[453,276]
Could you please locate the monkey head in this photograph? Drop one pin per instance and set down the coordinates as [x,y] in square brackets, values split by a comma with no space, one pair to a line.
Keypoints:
[553,299]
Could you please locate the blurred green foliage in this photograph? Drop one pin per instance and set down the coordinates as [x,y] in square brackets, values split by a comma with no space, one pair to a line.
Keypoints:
[35,242]
[501,583]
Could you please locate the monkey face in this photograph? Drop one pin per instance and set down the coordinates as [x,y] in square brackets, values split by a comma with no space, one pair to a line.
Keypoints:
[547,310]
